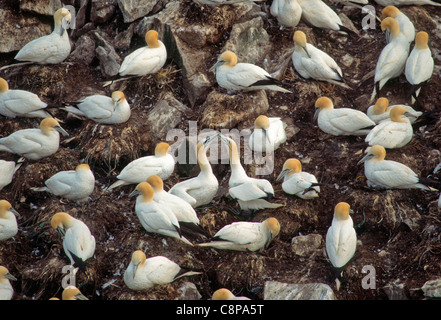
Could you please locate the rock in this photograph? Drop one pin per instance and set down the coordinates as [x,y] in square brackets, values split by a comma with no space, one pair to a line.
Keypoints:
[432,289]
[106,54]
[135,9]
[80,17]
[305,245]
[123,39]
[102,10]
[396,291]
[189,292]
[84,50]
[274,290]
[45,7]
[221,110]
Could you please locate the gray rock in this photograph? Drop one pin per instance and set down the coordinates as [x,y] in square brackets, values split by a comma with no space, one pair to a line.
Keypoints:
[80,17]
[274,290]
[102,10]
[305,245]
[84,50]
[189,292]
[432,289]
[45,7]
[122,39]
[106,54]
[135,9]
[396,291]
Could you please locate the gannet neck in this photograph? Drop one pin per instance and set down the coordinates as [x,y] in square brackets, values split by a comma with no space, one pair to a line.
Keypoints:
[151,38]
[392,25]
[380,106]
[342,210]
[146,191]
[161,149]
[396,114]
[156,183]
[390,11]
[3,85]
[203,162]
[422,40]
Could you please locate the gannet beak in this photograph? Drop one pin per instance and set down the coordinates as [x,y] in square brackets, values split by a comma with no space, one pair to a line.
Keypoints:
[365,158]
[115,104]
[306,51]
[14,212]
[60,230]
[282,174]
[209,139]
[224,139]
[316,113]
[217,64]
[61,130]
[134,193]
[10,277]
[80,296]
[134,270]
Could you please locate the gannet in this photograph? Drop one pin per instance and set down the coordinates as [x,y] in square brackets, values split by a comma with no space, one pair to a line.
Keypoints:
[143,273]
[145,60]
[72,293]
[34,144]
[341,239]
[235,76]
[76,185]
[225,294]
[50,49]
[341,121]
[392,59]
[388,174]
[6,289]
[8,222]
[287,12]
[268,134]
[183,211]
[393,133]
[419,64]
[297,182]
[20,103]
[311,62]
[153,217]
[200,190]
[103,109]
[78,242]
[161,163]
[251,193]
[381,111]
[406,26]
[7,171]
[407,3]
[245,236]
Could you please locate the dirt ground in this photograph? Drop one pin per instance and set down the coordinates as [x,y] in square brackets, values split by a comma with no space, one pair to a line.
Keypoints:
[399,231]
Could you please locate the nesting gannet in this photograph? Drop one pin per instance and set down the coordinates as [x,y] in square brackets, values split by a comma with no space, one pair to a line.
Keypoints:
[297,182]
[388,174]
[50,49]
[20,103]
[145,60]
[341,121]
[103,109]
[78,242]
[268,134]
[251,193]
[311,62]
[406,26]
[153,217]
[143,273]
[419,64]
[6,289]
[34,144]
[392,59]
[407,3]
[235,76]
[72,293]
[200,190]
[341,239]
[76,185]
[381,111]
[245,236]
[183,211]
[393,133]
[287,12]
[8,222]
[161,163]
[7,171]
[225,294]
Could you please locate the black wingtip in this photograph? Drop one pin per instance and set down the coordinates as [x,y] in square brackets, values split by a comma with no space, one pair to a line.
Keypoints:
[78,262]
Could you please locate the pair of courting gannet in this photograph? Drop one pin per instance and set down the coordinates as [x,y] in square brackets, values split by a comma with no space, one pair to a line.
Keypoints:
[381,111]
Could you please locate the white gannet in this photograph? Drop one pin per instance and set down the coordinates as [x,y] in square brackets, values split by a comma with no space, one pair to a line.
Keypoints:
[7,171]
[406,26]
[34,144]
[145,60]
[235,76]
[155,218]
[76,185]
[393,133]
[250,193]
[287,12]
[6,289]
[183,211]
[225,294]
[20,103]
[268,134]
[392,59]
[381,111]
[407,3]
[8,222]
[388,174]
[143,273]
[311,62]
[341,121]
[103,109]
[161,163]
[245,236]
[72,293]
[78,242]
[297,182]
[200,190]
[50,49]
[419,64]
[341,239]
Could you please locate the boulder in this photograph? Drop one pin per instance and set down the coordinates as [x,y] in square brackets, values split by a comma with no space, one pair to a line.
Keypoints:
[135,9]
[44,7]
[102,10]
[306,245]
[274,290]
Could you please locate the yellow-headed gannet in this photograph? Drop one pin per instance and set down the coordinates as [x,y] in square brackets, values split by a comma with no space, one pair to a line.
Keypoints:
[225,294]
[8,222]
[6,289]
[268,134]
[287,12]
[381,111]
[72,293]
[297,182]
[406,26]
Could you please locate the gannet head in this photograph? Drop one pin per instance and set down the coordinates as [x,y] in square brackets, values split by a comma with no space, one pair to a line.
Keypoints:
[156,183]
[145,190]
[273,227]
[381,106]
[5,206]
[398,113]
[151,38]
[262,122]
[72,293]
[376,152]
[223,294]
[322,103]
[422,40]
[162,149]
[82,166]
[227,58]
[60,15]
[4,86]
[342,211]
[4,274]
[117,98]
[390,24]
[61,221]
[290,166]
[300,40]
[138,258]
[390,11]
[48,124]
